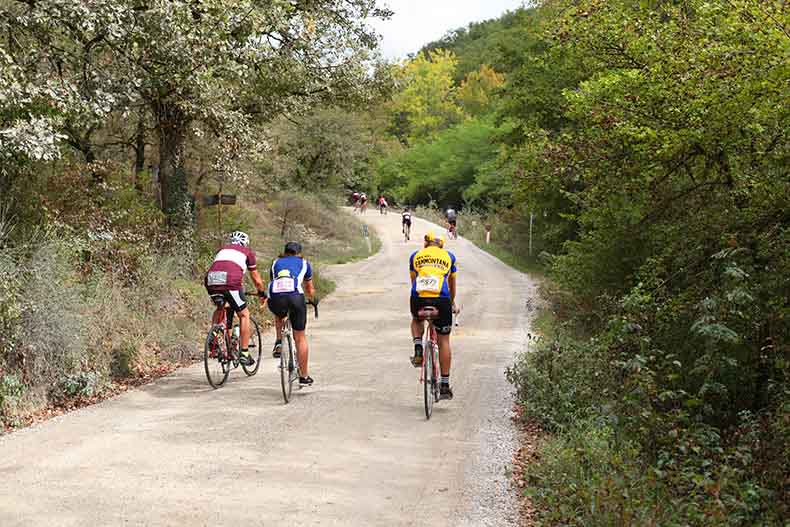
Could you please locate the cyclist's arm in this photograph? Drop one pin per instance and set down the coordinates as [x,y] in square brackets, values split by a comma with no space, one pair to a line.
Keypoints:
[309,289]
[257,280]
[451,285]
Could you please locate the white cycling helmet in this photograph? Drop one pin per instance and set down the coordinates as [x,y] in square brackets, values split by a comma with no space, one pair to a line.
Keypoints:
[239,238]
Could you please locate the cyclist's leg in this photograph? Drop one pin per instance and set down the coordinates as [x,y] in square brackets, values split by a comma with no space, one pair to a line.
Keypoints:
[278,306]
[444,326]
[215,293]
[238,304]
[445,353]
[417,328]
[297,312]
[302,351]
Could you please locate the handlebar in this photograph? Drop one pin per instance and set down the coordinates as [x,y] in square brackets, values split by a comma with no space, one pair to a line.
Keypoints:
[314,303]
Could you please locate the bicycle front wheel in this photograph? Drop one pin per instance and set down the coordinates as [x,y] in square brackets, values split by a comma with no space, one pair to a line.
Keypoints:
[287,368]
[254,347]
[429,377]
[216,357]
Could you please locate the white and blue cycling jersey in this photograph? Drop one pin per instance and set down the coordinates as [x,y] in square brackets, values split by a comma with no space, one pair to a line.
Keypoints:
[288,274]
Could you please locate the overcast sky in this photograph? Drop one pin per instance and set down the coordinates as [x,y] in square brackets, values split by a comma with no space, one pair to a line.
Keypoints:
[417,22]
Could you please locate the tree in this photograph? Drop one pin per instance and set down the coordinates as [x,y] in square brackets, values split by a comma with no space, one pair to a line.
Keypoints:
[220,67]
[425,104]
[476,93]
[328,149]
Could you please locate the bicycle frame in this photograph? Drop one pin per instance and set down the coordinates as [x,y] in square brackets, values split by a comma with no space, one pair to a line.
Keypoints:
[221,319]
[223,347]
[430,356]
[290,372]
[429,335]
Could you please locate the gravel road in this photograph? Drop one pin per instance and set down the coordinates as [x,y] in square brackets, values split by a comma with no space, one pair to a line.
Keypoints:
[355,449]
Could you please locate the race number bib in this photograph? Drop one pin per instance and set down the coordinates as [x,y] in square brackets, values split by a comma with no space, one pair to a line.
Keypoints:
[283,285]
[217,278]
[428,284]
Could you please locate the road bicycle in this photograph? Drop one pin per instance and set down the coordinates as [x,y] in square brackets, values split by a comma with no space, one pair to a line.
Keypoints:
[429,373]
[289,361]
[221,353]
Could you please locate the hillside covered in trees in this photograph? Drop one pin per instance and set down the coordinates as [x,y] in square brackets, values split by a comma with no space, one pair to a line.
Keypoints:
[649,142]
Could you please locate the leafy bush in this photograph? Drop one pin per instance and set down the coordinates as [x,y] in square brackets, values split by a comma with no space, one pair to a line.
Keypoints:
[11,390]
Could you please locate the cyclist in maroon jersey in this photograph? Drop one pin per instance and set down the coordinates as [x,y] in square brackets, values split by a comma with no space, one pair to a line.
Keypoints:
[225,278]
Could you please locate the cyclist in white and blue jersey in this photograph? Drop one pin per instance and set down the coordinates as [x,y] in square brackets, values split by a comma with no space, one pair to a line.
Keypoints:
[291,279]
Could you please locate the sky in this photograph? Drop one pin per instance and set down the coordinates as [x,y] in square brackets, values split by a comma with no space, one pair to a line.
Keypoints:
[417,22]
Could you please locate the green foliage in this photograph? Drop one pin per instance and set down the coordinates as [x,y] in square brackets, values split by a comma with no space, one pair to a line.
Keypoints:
[329,149]
[11,391]
[425,102]
[457,166]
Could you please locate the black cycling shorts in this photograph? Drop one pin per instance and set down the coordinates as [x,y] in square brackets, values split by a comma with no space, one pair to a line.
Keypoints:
[292,306]
[443,324]
[236,299]
[407,222]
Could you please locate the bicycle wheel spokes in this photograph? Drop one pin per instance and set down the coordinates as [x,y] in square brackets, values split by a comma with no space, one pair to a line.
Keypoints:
[287,367]
[429,379]
[215,357]
[254,347]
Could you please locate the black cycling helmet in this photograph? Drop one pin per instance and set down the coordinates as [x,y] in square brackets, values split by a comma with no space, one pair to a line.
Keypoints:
[293,248]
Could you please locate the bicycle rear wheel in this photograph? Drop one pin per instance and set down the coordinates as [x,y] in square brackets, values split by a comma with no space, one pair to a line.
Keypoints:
[429,377]
[287,368]
[216,357]
[406,230]
[255,348]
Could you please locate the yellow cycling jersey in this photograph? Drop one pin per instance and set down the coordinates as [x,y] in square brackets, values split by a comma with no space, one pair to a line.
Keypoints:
[432,266]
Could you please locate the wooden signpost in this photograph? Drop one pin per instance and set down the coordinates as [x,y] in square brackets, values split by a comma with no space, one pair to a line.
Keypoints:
[219,200]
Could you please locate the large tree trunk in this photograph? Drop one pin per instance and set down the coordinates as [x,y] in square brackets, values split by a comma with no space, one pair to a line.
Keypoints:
[139,151]
[176,202]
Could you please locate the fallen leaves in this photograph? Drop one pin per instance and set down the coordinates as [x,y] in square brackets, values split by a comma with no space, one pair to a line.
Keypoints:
[529,434]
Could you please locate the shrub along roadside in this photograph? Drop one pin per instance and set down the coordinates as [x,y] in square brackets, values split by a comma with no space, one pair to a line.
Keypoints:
[84,311]
[622,449]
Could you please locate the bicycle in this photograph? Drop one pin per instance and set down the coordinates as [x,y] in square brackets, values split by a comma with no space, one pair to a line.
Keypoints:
[429,373]
[221,352]
[289,361]
[406,231]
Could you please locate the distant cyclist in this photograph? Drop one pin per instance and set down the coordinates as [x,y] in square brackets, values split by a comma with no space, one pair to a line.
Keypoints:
[363,202]
[406,222]
[452,221]
[225,278]
[383,204]
[291,278]
[432,270]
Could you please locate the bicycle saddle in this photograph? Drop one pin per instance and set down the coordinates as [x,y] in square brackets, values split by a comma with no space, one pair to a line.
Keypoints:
[428,313]
[219,300]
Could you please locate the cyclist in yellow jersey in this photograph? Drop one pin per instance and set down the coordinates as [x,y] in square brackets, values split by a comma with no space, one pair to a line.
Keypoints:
[433,271]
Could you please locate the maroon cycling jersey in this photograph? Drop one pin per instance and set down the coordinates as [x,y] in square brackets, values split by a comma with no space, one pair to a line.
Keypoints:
[230,264]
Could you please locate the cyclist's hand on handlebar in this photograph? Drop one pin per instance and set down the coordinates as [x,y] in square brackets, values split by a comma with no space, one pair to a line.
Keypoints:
[456,309]
[262,294]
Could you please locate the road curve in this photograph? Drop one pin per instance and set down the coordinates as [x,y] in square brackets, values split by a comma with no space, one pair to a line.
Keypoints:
[354,450]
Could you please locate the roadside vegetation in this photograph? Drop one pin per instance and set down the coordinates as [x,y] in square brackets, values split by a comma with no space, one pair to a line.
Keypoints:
[644,141]
[118,122]
[648,141]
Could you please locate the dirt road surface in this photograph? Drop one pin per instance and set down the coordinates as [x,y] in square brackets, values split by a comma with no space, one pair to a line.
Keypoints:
[353,450]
